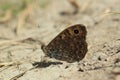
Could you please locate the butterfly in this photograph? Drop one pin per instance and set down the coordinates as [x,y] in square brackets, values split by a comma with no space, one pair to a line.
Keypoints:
[70,45]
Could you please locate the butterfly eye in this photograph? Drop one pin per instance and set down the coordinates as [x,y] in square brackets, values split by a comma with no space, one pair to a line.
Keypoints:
[76,31]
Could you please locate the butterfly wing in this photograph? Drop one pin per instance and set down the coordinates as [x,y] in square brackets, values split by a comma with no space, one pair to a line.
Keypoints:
[70,45]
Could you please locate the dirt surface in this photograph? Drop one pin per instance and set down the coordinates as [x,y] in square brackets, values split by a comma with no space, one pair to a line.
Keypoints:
[23,31]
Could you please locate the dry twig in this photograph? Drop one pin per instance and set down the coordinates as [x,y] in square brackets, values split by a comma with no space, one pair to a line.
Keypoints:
[21,74]
[23,17]
[6,64]
[20,40]
[85,6]
[106,14]
[7,17]
[75,5]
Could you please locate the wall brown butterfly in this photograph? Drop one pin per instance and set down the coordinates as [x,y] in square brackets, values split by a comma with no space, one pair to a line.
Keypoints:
[70,45]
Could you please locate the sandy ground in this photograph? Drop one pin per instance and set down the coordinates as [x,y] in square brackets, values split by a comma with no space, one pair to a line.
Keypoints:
[21,57]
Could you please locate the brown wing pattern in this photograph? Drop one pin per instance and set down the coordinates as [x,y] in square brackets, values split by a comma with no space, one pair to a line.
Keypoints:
[70,45]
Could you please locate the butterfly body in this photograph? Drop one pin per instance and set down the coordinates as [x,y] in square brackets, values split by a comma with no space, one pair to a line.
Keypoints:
[70,45]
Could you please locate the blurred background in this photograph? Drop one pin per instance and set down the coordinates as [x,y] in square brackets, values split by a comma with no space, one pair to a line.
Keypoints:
[32,17]
[26,24]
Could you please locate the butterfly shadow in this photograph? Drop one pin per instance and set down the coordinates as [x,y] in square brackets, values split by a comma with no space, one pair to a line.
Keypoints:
[45,64]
